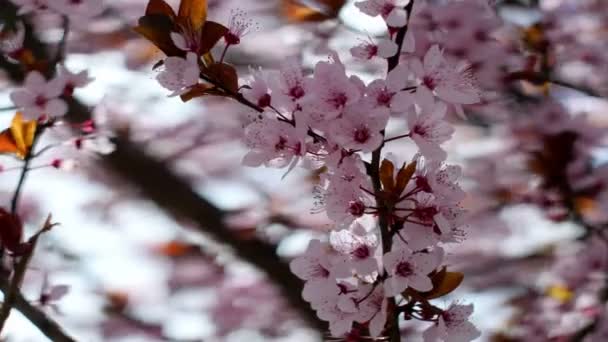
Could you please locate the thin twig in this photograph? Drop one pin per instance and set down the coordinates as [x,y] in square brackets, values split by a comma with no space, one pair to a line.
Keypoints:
[8,108]
[26,167]
[10,295]
[374,173]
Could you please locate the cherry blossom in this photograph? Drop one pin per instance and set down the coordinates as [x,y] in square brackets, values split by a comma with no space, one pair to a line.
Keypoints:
[359,128]
[409,269]
[179,74]
[372,308]
[239,27]
[259,91]
[393,11]
[390,93]
[358,248]
[40,97]
[314,267]
[273,143]
[331,91]
[427,126]
[453,326]
[454,84]
[290,86]
[72,81]
[344,204]
[369,49]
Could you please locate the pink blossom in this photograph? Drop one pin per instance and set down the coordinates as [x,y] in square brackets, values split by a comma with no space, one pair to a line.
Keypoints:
[409,269]
[357,247]
[440,179]
[427,126]
[72,80]
[179,74]
[290,86]
[453,326]
[331,91]
[426,223]
[389,93]
[40,97]
[239,27]
[372,308]
[273,143]
[454,84]
[359,128]
[344,204]
[340,321]
[258,91]
[392,11]
[383,48]
[314,267]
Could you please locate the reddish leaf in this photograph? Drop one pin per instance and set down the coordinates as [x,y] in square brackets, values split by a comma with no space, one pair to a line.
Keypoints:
[157,28]
[160,7]
[211,34]
[11,231]
[225,75]
[198,91]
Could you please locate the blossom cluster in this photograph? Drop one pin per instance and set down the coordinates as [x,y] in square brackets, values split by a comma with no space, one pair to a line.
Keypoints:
[386,244]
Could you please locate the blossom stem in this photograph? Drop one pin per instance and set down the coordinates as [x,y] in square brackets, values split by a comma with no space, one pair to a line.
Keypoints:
[224,53]
[26,167]
[374,173]
[398,137]
[6,109]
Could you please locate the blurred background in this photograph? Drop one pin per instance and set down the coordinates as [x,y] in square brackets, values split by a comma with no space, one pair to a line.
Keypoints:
[154,238]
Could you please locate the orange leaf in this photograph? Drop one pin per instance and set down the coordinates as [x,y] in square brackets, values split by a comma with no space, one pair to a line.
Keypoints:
[7,143]
[404,176]
[157,28]
[18,139]
[160,7]
[194,12]
[198,91]
[224,74]
[296,11]
[387,170]
[210,35]
[444,282]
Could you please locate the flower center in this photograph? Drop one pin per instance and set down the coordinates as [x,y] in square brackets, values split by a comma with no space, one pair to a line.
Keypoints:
[264,101]
[40,101]
[429,82]
[281,144]
[339,100]
[356,208]
[385,97]
[362,135]
[404,269]
[296,92]
[362,252]
[426,214]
